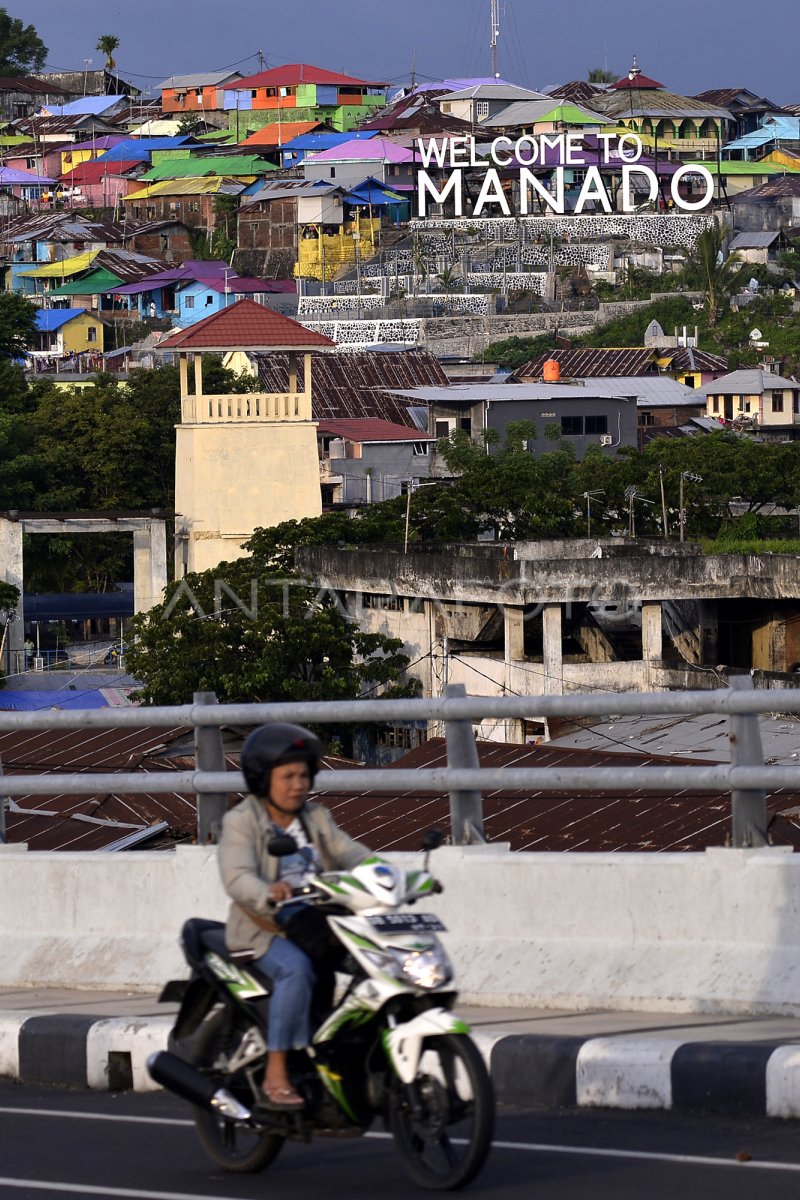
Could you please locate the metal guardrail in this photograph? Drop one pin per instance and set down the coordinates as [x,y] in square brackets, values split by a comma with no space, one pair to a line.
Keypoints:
[747,777]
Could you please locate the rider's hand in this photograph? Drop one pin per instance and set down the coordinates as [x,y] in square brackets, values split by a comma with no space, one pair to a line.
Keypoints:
[280,891]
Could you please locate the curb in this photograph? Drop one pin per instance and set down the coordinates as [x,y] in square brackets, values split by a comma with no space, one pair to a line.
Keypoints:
[754,1079]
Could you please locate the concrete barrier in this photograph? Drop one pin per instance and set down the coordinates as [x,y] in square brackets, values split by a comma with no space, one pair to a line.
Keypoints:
[712,932]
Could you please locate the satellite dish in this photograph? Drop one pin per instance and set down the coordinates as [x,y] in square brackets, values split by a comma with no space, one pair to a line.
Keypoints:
[756,335]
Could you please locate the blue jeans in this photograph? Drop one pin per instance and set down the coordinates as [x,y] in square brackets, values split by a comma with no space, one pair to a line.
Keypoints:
[292,975]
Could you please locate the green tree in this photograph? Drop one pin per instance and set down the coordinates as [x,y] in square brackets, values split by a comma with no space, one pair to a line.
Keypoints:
[249,634]
[601,75]
[716,275]
[22,51]
[107,44]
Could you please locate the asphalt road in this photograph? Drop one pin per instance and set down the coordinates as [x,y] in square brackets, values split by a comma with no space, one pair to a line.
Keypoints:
[85,1144]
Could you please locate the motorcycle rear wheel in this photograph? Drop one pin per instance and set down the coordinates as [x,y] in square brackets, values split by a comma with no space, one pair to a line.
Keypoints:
[444,1138]
[237,1148]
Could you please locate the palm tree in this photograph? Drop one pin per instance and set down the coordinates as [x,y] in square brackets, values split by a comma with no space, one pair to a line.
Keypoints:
[708,268]
[107,44]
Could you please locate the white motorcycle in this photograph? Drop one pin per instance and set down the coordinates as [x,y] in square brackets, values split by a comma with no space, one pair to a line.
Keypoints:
[391,1047]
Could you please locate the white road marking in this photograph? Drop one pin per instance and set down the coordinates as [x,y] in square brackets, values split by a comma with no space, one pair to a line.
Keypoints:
[86,1189]
[696,1160]
[700,1160]
[92,1116]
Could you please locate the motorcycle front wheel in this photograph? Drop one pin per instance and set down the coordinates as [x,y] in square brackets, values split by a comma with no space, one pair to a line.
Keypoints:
[238,1148]
[443,1123]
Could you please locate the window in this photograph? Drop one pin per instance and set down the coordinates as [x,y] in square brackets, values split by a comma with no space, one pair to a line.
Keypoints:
[646,418]
[403,737]
[421,449]
[481,110]
[254,93]
[333,172]
[689,381]
[465,425]
[739,401]
[91,333]
[441,429]
[382,603]
[715,404]
[777,402]
[596,425]
[571,426]
[209,299]
[189,302]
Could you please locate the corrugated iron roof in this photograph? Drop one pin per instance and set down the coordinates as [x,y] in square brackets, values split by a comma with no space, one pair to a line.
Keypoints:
[689,358]
[640,820]
[754,241]
[293,74]
[371,429]
[352,385]
[590,362]
[773,189]
[279,133]
[200,80]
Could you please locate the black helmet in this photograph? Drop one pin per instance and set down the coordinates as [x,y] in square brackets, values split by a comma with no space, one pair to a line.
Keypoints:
[272,745]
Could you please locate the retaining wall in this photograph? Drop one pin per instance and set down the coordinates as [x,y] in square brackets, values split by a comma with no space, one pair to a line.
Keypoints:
[712,932]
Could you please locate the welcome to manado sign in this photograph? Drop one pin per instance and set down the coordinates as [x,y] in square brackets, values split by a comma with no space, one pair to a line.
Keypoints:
[457,154]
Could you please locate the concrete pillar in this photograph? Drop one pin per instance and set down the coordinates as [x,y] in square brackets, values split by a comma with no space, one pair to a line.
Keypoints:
[307,376]
[552,660]
[183,370]
[149,565]
[514,630]
[198,374]
[652,638]
[11,572]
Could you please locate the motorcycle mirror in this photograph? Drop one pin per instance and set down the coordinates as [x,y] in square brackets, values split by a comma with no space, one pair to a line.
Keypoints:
[433,839]
[281,845]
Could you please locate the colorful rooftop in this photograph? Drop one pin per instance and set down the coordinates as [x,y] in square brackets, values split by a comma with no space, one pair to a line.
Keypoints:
[246,325]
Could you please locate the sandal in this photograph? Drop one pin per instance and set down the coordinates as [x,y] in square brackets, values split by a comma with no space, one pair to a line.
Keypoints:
[280,1099]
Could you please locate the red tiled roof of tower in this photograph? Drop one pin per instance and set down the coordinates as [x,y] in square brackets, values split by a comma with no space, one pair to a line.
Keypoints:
[246,325]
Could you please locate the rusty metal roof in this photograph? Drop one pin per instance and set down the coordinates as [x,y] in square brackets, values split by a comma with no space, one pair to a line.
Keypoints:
[593,362]
[640,820]
[688,358]
[352,385]
[92,822]
[112,820]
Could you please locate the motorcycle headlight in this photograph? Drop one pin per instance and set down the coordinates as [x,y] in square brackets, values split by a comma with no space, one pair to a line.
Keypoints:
[423,968]
[427,968]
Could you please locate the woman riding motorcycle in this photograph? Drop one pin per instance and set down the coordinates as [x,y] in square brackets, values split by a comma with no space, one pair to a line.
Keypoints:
[279,763]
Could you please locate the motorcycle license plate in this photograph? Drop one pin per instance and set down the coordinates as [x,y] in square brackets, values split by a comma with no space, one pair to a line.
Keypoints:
[407,923]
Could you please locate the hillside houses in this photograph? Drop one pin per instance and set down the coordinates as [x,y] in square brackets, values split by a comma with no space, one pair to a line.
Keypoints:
[298,185]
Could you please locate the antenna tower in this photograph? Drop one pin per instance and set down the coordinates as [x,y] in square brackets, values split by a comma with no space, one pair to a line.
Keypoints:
[495,20]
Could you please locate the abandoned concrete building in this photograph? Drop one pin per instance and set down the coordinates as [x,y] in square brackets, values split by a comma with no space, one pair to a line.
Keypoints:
[553,617]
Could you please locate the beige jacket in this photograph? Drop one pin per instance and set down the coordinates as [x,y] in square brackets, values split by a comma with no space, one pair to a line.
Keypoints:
[247,869]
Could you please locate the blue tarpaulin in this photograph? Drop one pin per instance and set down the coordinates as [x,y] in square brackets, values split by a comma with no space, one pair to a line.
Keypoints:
[11,701]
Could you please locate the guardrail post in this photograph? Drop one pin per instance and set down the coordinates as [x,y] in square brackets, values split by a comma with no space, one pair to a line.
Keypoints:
[209,756]
[466,808]
[748,808]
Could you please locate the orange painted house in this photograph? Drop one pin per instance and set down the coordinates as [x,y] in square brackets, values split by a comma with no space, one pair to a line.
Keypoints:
[196,93]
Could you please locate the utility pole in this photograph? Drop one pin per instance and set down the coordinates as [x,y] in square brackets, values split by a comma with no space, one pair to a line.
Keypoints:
[663,503]
[588,497]
[681,506]
[261,60]
[495,20]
